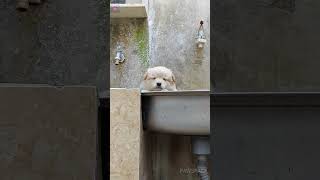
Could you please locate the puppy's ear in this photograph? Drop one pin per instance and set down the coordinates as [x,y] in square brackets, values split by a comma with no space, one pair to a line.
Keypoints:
[145,76]
[173,78]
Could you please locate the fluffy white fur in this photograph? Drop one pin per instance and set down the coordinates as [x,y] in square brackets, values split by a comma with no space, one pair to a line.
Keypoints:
[158,79]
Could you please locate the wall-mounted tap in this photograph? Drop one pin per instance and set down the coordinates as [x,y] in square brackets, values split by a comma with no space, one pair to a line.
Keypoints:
[200,39]
[119,56]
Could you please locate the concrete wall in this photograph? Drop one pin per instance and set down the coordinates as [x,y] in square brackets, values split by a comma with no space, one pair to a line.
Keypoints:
[173,26]
[126,135]
[266,143]
[55,43]
[48,133]
[260,46]
[132,35]
[166,38]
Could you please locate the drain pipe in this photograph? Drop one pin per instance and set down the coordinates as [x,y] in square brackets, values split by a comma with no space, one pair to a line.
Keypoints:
[201,148]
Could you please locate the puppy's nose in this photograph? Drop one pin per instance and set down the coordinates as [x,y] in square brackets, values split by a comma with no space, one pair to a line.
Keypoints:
[158,84]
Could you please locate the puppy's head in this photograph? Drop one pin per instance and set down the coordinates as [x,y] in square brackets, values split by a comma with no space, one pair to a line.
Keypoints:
[159,78]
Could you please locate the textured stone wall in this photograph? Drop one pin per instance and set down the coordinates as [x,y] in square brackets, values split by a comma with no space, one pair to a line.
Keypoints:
[55,43]
[173,27]
[266,45]
[132,36]
[126,135]
[48,133]
[167,38]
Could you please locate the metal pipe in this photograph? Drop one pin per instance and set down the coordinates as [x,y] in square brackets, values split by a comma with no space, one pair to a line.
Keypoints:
[201,148]
[202,167]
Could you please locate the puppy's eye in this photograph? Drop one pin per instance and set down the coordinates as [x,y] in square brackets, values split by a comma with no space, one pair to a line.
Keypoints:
[153,78]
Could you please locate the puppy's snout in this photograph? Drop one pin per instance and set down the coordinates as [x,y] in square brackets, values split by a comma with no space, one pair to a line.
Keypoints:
[158,84]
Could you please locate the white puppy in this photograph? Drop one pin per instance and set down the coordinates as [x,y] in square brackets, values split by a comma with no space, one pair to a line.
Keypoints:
[158,79]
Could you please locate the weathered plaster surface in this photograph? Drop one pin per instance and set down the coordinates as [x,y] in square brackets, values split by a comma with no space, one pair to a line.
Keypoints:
[125,134]
[171,29]
[48,133]
[55,43]
[132,35]
[173,26]
[264,47]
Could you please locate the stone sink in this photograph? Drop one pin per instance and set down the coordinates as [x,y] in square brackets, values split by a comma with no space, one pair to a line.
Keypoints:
[179,112]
